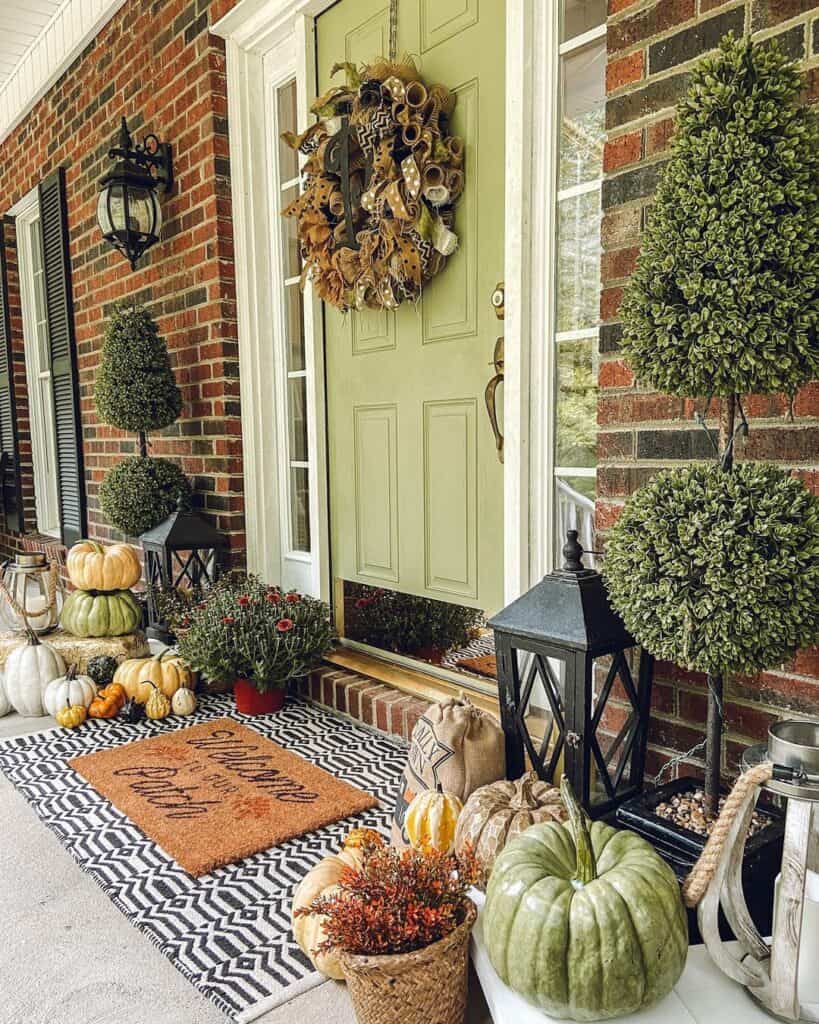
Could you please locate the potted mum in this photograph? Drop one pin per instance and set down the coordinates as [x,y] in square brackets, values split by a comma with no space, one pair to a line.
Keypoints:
[256,636]
[400,925]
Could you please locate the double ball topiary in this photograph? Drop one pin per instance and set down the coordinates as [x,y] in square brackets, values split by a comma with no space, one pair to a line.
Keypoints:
[725,297]
[139,492]
[718,571]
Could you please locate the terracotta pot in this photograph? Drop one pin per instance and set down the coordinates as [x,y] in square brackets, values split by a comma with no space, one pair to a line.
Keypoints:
[250,702]
[428,986]
[434,655]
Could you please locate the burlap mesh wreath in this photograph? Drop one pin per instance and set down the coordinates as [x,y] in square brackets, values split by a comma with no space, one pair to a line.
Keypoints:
[405,173]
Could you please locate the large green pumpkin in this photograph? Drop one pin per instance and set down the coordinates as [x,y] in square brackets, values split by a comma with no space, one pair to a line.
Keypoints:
[87,613]
[585,922]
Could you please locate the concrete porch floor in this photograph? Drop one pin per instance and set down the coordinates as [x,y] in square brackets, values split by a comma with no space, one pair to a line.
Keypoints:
[68,956]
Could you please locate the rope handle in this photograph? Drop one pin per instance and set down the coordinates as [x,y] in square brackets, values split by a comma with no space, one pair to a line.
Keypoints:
[696,885]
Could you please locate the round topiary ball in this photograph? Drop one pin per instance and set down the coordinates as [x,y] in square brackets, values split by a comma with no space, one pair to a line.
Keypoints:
[138,493]
[718,571]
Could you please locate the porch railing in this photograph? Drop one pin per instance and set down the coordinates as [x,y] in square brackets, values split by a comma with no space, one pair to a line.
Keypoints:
[576,512]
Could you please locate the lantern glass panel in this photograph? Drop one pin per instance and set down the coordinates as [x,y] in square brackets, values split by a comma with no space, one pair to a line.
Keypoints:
[111,209]
[615,720]
[143,211]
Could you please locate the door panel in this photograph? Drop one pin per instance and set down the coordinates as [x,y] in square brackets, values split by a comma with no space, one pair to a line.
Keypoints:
[416,488]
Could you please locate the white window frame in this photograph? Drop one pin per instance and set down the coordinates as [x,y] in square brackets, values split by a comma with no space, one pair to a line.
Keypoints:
[254,29]
[38,377]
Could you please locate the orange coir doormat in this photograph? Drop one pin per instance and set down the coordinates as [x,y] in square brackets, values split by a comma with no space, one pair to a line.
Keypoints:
[218,792]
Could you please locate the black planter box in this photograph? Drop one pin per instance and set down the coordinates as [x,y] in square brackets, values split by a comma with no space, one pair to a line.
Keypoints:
[680,848]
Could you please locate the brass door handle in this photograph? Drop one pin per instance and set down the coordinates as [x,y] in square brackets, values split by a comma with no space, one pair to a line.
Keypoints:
[490,396]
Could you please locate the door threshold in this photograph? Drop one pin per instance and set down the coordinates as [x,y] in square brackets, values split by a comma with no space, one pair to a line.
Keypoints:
[433,684]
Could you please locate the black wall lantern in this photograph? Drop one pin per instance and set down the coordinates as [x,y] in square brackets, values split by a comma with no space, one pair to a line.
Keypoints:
[183,552]
[128,209]
[547,642]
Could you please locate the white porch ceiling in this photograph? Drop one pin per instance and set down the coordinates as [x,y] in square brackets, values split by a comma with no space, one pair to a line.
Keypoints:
[21,22]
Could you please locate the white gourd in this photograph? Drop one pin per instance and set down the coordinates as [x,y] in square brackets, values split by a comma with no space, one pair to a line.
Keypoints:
[5,703]
[68,689]
[183,701]
[29,670]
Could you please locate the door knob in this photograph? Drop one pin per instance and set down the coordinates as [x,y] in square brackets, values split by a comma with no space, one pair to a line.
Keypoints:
[498,299]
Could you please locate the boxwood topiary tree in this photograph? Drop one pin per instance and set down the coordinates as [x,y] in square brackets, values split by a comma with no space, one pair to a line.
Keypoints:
[723,301]
[724,297]
[136,390]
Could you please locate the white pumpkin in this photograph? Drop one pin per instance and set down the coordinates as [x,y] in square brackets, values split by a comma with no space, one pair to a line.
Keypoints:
[183,701]
[70,690]
[29,670]
[5,703]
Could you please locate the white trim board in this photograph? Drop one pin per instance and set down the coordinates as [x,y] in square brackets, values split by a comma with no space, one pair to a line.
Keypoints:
[252,29]
[73,26]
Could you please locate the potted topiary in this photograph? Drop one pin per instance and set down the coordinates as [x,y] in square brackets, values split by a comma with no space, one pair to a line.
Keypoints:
[714,567]
[399,925]
[255,636]
[136,390]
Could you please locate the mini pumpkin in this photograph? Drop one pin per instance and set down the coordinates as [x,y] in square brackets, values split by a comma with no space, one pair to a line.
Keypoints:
[132,711]
[72,715]
[97,614]
[29,669]
[165,670]
[108,702]
[323,879]
[431,819]
[93,566]
[102,668]
[183,701]
[495,814]
[157,705]
[70,688]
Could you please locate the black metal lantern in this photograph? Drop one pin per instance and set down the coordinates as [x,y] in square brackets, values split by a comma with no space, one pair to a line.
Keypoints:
[183,552]
[128,208]
[563,672]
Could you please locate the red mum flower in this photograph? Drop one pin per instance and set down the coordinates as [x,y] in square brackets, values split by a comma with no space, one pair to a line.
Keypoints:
[228,620]
[362,602]
[285,625]
[273,597]
[244,600]
[293,597]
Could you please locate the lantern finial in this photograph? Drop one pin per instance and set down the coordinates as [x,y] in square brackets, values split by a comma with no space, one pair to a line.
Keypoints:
[572,553]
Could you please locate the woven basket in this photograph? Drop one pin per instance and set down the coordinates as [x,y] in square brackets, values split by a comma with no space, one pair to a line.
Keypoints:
[427,986]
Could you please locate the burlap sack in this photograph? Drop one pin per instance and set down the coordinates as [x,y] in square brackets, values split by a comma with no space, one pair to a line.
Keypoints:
[454,745]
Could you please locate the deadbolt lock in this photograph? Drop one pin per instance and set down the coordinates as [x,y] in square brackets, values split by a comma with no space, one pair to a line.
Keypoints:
[498,299]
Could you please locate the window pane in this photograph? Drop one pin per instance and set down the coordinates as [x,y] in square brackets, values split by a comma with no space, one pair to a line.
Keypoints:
[290,256]
[582,132]
[297,415]
[578,262]
[287,122]
[578,16]
[299,509]
[577,403]
[574,496]
[295,328]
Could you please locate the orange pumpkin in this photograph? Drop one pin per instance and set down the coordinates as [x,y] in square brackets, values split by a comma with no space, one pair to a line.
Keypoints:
[109,702]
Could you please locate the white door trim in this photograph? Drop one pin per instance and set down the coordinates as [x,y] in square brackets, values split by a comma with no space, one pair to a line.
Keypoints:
[251,30]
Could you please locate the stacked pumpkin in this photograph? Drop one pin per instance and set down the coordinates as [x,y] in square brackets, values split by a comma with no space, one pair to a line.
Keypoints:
[102,604]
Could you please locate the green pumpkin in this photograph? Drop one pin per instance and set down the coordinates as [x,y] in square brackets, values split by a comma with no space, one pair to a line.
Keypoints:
[585,922]
[88,613]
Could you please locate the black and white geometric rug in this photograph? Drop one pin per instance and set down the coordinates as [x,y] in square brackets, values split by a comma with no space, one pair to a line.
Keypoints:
[227,932]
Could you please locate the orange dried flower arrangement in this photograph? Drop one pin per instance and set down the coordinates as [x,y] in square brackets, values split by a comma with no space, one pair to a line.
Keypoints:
[399,901]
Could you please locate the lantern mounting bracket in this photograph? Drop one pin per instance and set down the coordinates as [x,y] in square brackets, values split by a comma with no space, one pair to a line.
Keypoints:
[151,156]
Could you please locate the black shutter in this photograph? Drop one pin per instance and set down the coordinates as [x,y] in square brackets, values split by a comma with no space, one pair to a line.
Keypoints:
[10,464]
[60,311]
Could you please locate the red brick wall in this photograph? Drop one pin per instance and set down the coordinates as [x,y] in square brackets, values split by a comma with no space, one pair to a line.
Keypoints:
[652,45]
[156,63]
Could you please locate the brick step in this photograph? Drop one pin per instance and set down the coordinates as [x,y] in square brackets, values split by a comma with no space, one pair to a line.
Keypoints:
[366,700]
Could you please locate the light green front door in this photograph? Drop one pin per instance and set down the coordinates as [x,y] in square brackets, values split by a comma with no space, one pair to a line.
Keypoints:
[416,486]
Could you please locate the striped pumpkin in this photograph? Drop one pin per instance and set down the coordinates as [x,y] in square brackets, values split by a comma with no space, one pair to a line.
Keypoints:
[431,820]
